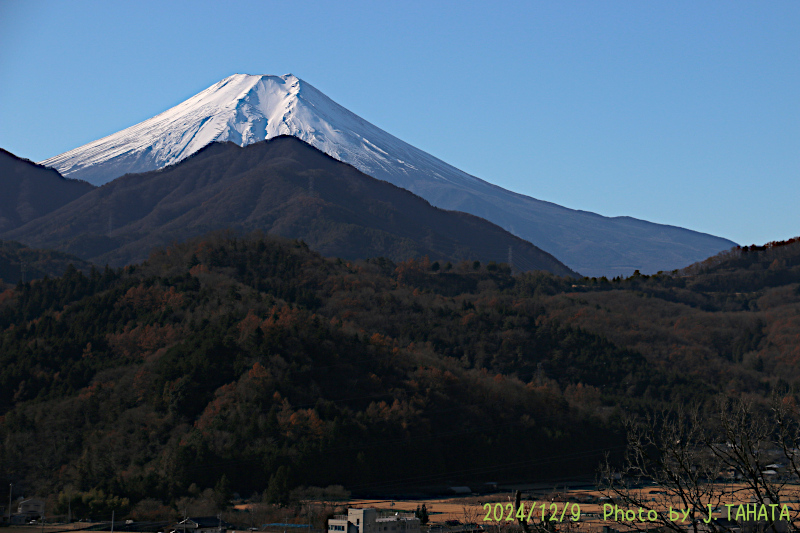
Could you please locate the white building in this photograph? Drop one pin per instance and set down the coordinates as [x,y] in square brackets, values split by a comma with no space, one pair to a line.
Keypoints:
[374,521]
[33,508]
[201,524]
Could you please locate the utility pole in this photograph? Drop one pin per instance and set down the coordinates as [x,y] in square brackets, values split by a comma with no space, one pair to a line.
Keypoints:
[510,258]
[112,521]
[10,490]
[23,268]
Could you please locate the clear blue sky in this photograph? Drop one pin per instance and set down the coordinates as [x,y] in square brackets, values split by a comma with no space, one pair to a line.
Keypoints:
[684,113]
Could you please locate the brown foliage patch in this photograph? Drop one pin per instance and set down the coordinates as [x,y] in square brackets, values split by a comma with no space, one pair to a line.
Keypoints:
[151,298]
[141,340]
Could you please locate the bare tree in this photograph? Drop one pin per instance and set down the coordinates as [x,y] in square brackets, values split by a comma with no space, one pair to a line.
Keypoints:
[682,467]
[545,524]
[750,444]
[665,451]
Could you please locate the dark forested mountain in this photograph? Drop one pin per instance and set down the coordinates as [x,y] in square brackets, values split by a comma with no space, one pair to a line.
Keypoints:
[28,190]
[18,261]
[258,360]
[733,319]
[284,187]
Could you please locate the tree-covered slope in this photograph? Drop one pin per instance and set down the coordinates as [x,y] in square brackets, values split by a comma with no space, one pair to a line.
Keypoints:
[257,359]
[260,360]
[17,259]
[732,320]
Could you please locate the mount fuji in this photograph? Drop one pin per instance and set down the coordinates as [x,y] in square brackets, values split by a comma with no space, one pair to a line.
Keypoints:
[246,109]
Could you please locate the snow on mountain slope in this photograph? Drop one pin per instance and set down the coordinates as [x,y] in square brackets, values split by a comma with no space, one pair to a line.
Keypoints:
[245,109]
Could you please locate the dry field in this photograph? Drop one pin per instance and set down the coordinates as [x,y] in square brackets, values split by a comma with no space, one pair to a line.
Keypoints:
[48,528]
[471,508]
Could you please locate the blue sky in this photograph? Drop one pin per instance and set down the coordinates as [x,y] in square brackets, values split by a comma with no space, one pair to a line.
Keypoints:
[684,113]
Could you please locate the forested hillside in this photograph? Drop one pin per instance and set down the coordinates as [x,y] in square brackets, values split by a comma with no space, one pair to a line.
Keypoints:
[258,360]
[18,261]
[733,319]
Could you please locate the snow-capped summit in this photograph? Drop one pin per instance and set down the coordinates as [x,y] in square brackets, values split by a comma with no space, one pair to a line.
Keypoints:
[245,109]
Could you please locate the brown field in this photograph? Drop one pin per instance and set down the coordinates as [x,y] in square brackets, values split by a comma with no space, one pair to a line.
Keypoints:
[48,528]
[471,508]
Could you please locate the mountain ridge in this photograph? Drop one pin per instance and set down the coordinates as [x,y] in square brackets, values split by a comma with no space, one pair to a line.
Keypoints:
[282,186]
[247,108]
[20,263]
[30,190]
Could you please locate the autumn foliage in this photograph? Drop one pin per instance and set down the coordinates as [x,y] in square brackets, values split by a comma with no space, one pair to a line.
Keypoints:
[258,360]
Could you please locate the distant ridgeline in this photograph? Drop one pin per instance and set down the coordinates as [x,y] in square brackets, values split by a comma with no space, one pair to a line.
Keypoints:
[774,250]
[769,246]
[17,261]
[773,264]
[282,187]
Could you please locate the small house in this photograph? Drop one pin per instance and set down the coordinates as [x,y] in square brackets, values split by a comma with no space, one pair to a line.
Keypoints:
[201,524]
[374,521]
[32,508]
